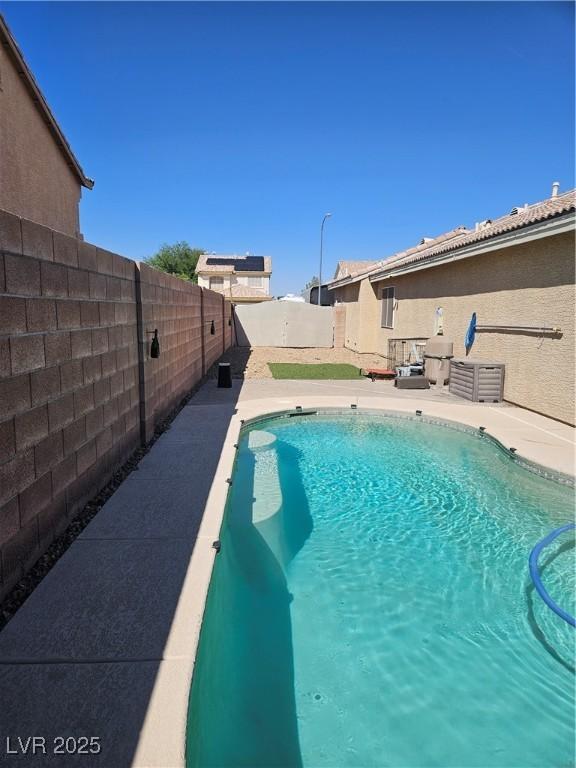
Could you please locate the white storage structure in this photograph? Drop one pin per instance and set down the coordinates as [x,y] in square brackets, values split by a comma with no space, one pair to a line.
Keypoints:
[481,381]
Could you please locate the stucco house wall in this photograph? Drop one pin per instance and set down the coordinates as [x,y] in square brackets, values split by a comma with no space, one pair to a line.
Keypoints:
[36,182]
[361,315]
[527,284]
[204,281]
[284,324]
[228,280]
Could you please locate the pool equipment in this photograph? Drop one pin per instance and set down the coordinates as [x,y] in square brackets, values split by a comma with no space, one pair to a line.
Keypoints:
[437,355]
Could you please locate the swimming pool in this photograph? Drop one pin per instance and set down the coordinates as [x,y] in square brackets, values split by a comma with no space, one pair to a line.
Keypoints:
[371,604]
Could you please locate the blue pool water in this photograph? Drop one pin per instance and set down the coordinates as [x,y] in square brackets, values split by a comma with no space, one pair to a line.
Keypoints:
[371,604]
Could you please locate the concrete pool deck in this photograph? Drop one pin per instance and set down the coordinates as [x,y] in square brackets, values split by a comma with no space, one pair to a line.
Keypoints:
[105,645]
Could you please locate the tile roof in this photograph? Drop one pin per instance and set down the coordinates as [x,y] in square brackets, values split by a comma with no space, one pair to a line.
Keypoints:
[461,236]
[211,262]
[522,217]
[425,245]
[246,291]
[350,267]
[242,291]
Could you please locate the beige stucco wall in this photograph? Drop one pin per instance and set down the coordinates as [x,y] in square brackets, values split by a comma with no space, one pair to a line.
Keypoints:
[35,180]
[339,325]
[204,281]
[245,280]
[362,318]
[284,324]
[527,284]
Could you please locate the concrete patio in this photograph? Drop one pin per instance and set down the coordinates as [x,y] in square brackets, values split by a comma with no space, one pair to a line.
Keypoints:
[105,645]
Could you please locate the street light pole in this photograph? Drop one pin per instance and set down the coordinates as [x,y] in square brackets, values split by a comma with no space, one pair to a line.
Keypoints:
[326,216]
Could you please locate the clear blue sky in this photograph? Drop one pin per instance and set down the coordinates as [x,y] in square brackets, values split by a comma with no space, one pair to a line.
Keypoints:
[237,126]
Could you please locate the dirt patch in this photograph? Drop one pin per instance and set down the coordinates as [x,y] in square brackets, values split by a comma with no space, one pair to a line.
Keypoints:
[253,363]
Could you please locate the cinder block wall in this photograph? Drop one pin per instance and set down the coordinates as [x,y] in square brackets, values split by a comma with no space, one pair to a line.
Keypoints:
[183,314]
[74,400]
[229,339]
[214,311]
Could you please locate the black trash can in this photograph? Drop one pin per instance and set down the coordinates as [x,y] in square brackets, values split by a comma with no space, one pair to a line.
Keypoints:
[224,375]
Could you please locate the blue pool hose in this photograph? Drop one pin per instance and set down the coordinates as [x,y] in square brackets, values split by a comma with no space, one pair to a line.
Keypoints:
[535,574]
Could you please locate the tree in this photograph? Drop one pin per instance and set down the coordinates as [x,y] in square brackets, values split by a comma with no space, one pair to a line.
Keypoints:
[310,284]
[179,259]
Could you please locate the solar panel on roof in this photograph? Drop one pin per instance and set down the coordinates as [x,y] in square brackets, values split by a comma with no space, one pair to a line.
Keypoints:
[246,264]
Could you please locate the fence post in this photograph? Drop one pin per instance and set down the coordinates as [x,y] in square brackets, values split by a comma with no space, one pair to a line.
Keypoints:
[202,342]
[141,333]
[223,325]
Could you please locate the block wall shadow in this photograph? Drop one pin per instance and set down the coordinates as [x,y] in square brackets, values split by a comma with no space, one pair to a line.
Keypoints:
[83,654]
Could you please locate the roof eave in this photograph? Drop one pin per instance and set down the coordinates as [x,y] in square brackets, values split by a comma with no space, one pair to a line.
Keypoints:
[25,73]
[548,227]
[338,284]
[208,271]
[348,280]
[252,273]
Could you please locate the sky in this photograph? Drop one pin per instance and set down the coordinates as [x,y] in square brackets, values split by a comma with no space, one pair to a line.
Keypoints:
[237,126]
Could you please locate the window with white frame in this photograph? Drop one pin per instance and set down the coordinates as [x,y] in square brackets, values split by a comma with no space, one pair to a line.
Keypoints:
[216,282]
[255,282]
[388,300]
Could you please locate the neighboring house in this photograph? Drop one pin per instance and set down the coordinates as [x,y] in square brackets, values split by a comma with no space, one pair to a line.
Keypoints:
[346,268]
[515,272]
[242,279]
[40,178]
